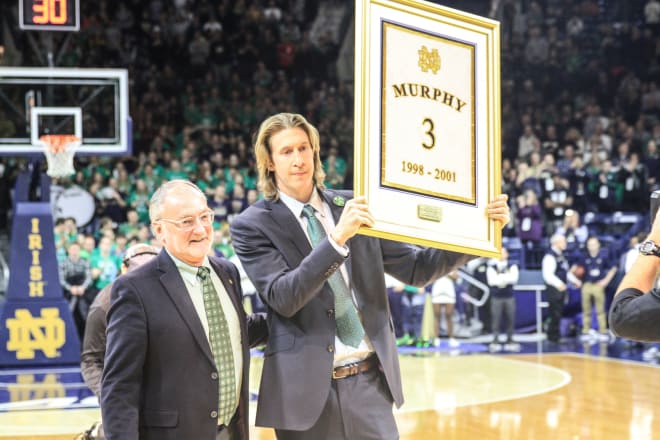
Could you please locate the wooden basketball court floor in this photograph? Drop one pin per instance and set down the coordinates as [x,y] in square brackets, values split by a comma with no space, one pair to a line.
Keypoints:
[479,396]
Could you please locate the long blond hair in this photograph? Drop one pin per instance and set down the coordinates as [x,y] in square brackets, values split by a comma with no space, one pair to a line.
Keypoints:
[262,150]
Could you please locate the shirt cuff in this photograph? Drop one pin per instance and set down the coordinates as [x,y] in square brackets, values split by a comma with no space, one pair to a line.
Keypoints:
[341,250]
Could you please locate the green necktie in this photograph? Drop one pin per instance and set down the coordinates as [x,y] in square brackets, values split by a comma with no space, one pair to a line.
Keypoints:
[349,327]
[221,347]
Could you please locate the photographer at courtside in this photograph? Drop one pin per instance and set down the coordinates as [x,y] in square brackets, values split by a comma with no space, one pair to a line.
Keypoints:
[635,310]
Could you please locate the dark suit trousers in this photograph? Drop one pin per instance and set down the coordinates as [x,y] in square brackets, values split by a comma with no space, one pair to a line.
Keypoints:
[358,408]
[555,307]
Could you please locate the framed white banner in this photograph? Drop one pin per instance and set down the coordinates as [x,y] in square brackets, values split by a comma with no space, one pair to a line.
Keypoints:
[427,124]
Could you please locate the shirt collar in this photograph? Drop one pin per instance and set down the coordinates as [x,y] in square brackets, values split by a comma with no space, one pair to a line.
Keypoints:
[296,206]
[188,272]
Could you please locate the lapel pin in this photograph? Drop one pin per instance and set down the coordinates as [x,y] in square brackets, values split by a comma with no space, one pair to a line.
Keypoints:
[339,201]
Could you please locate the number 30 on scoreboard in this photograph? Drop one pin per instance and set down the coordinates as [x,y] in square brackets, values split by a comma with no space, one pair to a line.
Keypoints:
[49,15]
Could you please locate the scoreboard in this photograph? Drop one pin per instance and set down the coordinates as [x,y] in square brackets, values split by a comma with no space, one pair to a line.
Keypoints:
[49,15]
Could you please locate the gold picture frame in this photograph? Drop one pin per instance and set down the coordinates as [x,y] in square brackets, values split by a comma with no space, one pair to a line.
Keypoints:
[427,124]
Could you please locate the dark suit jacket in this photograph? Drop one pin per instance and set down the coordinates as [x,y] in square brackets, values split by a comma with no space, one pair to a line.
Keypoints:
[290,277]
[160,379]
[93,347]
[634,315]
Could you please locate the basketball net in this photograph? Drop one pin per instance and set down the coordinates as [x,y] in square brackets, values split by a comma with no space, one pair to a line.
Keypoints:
[59,150]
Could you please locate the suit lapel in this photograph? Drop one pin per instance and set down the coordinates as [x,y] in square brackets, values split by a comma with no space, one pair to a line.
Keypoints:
[178,293]
[230,287]
[290,226]
[328,197]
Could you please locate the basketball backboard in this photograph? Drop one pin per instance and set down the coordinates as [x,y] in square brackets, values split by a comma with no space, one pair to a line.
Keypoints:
[89,103]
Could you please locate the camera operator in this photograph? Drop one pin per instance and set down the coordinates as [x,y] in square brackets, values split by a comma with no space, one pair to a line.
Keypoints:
[635,311]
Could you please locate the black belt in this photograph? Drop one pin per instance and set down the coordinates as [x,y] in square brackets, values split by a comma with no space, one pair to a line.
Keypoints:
[348,370]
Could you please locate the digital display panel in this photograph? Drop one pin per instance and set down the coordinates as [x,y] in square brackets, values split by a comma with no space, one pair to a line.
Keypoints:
[49,15]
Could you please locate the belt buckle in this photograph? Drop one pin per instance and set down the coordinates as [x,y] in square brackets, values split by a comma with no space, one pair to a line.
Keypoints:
[352,370]
[343,368]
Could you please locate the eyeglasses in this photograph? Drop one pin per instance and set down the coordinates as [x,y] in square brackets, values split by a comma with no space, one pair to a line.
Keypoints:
[189,223]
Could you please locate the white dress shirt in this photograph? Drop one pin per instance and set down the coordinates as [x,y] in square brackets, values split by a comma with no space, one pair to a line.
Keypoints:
[344,354]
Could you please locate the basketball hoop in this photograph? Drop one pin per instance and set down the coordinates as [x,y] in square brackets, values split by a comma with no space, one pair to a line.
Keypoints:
[59,150]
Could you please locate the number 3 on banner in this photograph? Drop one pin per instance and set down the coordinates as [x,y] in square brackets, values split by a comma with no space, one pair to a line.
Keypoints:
[428,123]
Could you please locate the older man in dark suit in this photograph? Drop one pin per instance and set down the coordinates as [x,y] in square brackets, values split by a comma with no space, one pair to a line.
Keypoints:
[330,368]
[177,358]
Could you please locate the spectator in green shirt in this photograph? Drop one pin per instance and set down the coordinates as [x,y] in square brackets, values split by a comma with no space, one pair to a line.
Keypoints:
[131,226]
[105,265]
[138,199]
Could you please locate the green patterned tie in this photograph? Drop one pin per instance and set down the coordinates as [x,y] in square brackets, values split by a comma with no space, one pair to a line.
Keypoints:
[220,345]
[349,327]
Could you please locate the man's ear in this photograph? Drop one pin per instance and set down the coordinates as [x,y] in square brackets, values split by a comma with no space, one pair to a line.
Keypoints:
[157,231]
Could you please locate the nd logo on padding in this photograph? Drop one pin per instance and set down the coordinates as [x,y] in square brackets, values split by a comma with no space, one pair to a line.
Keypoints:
[28,333]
